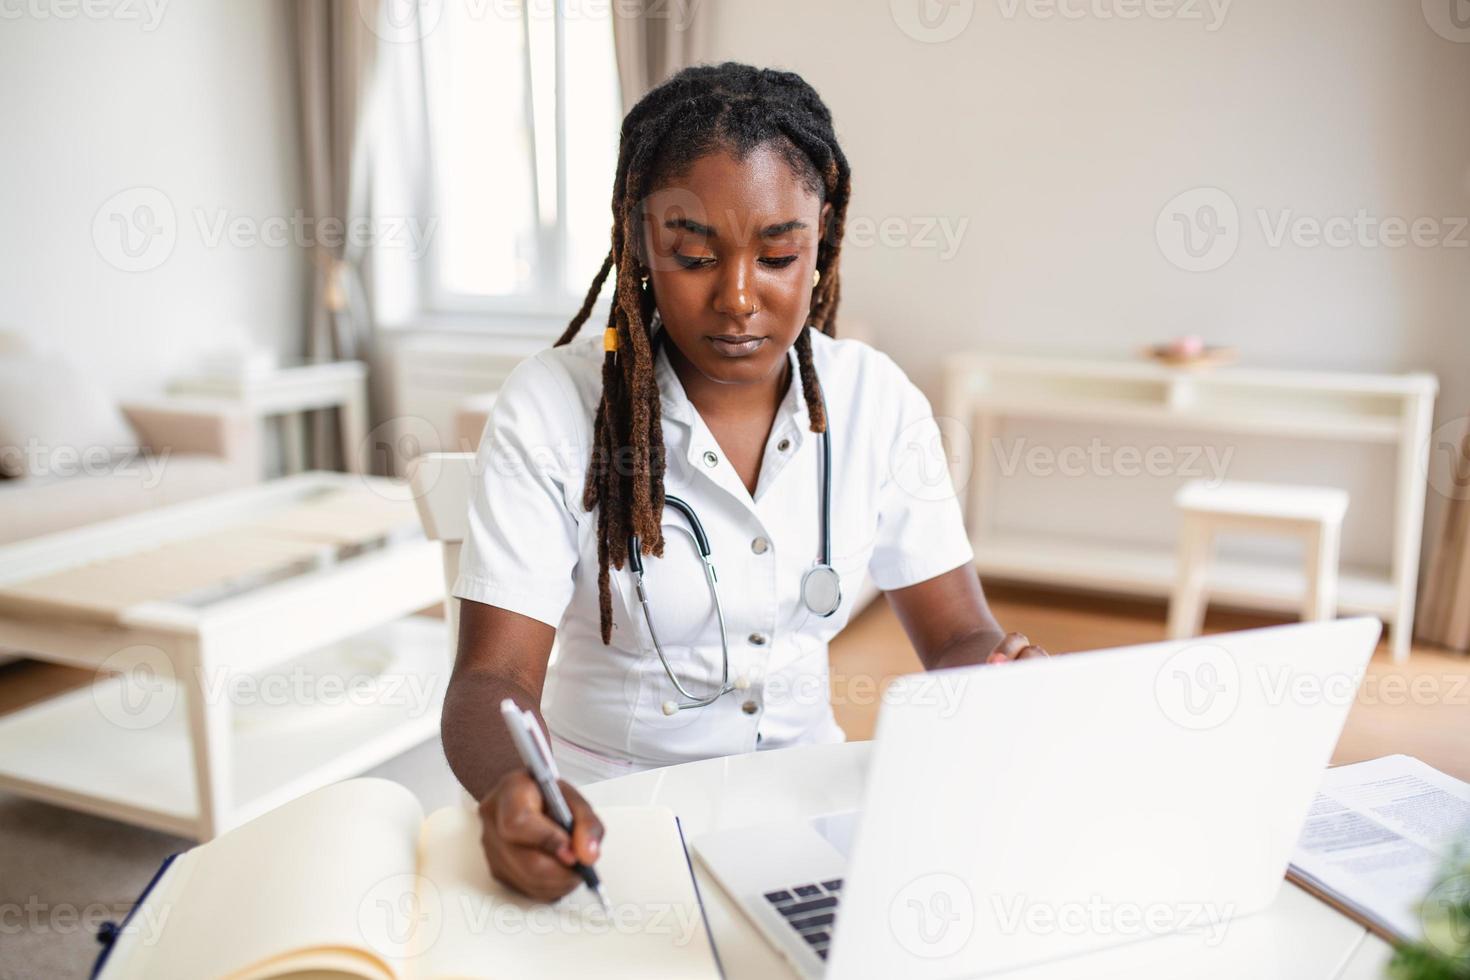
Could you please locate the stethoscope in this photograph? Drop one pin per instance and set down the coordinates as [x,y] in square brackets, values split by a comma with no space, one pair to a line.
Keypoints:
[821,587]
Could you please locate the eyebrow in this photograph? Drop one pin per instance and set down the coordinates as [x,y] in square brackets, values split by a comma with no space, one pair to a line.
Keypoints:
[769,231]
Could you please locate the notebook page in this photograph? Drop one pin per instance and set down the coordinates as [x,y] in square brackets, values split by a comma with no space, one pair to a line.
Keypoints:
[308,875]
[474,927]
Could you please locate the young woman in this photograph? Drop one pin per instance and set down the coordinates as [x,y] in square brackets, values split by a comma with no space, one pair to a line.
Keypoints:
[717,405]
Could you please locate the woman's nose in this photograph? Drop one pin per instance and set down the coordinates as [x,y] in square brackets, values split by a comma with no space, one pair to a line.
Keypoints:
[736,293]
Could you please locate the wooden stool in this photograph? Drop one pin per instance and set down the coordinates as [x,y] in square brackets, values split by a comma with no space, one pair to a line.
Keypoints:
[1313,514]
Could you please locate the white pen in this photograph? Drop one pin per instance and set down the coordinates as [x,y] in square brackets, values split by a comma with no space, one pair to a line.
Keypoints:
[536,754]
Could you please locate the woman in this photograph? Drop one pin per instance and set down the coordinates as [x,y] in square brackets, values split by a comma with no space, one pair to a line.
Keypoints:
[713,387]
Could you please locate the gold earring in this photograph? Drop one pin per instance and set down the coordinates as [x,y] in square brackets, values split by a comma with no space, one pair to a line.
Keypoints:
[644,281]
[816,277]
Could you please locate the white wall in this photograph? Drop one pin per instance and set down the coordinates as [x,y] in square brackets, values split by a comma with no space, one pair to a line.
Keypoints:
[196,103]
[1060,140]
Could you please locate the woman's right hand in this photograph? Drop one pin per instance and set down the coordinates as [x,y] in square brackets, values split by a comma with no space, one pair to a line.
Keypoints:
[525,847]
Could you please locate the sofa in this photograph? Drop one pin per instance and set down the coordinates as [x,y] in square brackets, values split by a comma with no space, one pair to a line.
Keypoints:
[69,455]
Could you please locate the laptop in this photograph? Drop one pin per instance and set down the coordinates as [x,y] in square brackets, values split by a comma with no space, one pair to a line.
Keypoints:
[1030,811]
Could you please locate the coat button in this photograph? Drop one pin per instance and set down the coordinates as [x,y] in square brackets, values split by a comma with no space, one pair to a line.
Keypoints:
[710,459]
[783,445]
[759,639]
[759,546]
[748,707]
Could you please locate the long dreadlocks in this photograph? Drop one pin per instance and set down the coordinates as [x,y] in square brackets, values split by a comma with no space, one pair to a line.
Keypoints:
[733,107]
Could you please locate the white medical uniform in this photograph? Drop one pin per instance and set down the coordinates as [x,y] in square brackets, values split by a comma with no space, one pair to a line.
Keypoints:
[532,549]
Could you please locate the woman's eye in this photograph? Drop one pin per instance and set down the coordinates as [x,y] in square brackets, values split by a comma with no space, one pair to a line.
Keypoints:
[700,261]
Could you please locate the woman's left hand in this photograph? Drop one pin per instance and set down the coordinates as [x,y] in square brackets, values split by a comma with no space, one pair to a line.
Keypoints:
[1015,646]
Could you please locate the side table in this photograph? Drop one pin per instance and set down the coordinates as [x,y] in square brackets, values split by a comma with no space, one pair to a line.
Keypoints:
[291,391]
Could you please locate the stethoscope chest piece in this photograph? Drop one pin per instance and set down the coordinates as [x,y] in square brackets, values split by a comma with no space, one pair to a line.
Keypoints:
[821,589]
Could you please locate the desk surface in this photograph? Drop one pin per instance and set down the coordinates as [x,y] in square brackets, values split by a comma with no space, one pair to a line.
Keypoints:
[1297,938]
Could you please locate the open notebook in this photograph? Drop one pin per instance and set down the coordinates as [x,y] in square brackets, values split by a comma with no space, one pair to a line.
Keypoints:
[353,881]
[1377,838]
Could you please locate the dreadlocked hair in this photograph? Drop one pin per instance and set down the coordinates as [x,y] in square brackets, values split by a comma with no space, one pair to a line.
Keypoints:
[732,107]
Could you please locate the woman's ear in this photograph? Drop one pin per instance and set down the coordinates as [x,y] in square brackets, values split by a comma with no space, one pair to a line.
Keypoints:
[825,221]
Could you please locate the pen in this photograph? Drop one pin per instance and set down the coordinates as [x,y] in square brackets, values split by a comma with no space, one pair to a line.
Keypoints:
[536,754]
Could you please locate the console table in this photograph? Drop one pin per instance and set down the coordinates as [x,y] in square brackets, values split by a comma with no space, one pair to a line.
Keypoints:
[984,391]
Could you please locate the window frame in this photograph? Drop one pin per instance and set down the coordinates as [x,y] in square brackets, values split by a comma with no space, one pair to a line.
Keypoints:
[536,312]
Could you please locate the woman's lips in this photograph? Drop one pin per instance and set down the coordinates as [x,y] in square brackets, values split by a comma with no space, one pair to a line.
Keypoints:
[733,349]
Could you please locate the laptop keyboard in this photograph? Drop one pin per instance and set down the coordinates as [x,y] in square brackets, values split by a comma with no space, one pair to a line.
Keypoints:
[810,910]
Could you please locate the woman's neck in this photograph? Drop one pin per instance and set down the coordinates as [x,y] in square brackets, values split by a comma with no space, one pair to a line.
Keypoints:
[715,402]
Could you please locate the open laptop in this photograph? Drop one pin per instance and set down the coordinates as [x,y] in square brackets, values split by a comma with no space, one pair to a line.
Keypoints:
[1035,810]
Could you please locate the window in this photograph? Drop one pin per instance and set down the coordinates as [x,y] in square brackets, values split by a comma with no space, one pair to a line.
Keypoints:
[524,110]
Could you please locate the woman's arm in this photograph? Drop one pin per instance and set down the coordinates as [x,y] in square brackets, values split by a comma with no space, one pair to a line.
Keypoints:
[503,654]
[951,625]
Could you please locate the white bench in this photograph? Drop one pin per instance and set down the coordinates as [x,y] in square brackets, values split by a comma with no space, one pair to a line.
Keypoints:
[1312,514]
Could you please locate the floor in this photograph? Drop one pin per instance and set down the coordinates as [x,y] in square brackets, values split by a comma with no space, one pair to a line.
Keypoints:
[61,872]
[1420,708]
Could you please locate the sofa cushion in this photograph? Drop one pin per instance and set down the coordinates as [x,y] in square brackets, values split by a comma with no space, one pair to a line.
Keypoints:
[53,422]
[43,504]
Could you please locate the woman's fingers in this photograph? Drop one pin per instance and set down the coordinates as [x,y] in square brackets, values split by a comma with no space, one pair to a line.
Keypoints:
[532,871]
[586,828]
[520,818]
[1008,647]
[523,846]
[1015,646]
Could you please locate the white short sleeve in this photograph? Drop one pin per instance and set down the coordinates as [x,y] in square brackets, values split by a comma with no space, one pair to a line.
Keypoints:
[520,551]
[921,530]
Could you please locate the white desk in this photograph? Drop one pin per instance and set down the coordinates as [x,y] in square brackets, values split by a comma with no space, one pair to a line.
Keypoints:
[1298,938]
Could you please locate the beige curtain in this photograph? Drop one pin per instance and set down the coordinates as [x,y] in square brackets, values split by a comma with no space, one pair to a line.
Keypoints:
[654,39]
[1444,611]
[335,55]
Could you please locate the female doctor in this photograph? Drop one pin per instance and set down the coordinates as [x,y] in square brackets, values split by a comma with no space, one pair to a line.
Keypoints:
[688,503]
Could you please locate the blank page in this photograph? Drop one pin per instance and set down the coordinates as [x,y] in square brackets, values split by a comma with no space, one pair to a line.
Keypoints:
[307,878]
[475,927]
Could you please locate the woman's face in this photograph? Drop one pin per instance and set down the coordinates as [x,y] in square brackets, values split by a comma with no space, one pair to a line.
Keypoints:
[730,248]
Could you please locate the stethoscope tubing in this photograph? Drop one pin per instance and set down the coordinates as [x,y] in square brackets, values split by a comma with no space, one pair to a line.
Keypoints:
[697,534]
